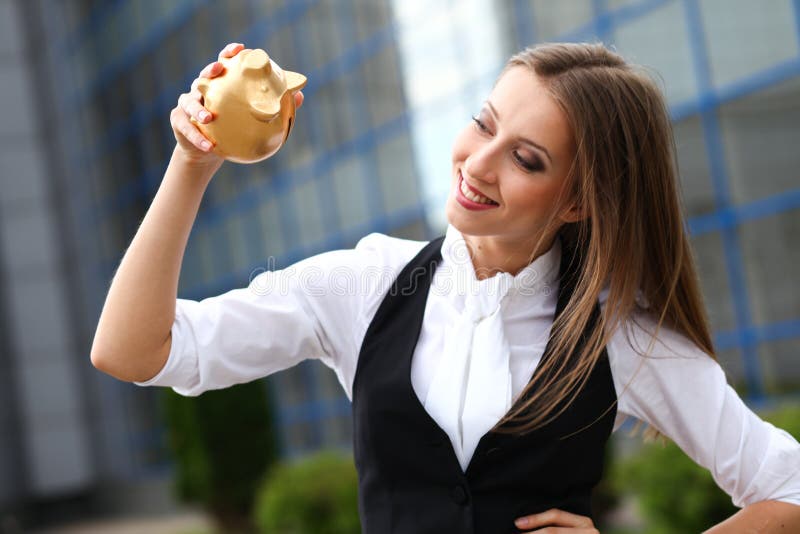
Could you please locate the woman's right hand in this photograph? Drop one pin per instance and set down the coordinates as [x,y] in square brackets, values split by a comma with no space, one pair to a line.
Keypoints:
[195,147]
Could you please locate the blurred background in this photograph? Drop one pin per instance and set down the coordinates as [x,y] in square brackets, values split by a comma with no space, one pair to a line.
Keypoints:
[87,86]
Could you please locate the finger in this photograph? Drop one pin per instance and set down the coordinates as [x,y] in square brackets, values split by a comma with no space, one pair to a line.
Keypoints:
[186,129]
[194,136]
[190,104]
[298,99]
[556,518]
[211,70]
[230,50]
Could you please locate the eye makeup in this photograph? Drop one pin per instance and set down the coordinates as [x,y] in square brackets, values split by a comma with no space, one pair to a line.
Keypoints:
[527,164]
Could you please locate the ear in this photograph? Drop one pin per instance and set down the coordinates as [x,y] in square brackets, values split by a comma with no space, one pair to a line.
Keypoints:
[257,60]
[573,213]
[294,81]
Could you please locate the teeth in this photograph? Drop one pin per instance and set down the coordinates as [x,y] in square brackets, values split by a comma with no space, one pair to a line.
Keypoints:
[480,199]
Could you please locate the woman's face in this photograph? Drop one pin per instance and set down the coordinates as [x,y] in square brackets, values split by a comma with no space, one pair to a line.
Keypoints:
[516,153]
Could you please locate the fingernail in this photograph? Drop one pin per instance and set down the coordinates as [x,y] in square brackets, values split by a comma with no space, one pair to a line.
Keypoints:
[205,115]
[206,145]
[521,522]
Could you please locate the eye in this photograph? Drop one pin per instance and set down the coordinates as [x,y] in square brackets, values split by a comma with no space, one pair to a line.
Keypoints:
[480,125]
[530,166]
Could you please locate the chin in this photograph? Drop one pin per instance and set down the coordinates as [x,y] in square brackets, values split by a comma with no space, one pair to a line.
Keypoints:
[462,221]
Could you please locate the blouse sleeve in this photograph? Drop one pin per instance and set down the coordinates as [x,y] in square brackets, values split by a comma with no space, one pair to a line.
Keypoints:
[318,308]
[683,393]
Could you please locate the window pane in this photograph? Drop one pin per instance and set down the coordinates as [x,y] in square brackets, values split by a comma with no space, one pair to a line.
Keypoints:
[320,33]
[332,125]
[369,16]
[270,221]
[308,212]
[191,270]
[731,361]
[659,40]
[397,174]
[698,193]
[205,253]
[349,185]
[221,249]
[556,18]
[760,133]
[745,36]
[772,261]
[710,258]
[381,74]
[239,248]
[780,366]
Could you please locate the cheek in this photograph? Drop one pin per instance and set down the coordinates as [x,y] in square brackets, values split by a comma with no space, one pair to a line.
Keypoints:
[535,195]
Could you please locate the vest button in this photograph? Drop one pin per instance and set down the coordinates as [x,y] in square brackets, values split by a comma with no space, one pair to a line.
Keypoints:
[459,495]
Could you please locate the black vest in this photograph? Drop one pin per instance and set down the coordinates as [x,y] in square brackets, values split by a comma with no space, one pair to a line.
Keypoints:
[410,481]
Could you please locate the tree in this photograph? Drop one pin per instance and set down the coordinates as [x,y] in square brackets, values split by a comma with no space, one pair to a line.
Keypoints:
[223,443]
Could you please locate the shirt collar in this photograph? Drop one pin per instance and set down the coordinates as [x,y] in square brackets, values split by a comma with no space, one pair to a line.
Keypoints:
[539,275]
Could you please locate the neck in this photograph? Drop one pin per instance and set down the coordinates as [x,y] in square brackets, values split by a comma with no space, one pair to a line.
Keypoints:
[491,255]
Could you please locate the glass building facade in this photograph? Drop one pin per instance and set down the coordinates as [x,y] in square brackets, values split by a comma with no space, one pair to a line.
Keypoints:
[348,169]
[391,82]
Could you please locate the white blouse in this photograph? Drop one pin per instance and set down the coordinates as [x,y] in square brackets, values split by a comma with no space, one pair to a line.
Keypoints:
[321,307]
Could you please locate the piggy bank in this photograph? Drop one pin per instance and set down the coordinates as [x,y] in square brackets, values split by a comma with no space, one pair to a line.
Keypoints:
[253,106]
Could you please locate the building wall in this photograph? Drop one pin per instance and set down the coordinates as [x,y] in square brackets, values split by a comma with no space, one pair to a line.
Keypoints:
[45,443]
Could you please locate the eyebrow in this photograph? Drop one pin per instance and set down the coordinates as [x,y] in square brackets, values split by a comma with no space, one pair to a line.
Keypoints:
[528,141]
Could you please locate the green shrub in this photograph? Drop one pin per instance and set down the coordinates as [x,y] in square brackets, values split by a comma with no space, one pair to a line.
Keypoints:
[315,495]
[674,493]
[787,418]
[222,443]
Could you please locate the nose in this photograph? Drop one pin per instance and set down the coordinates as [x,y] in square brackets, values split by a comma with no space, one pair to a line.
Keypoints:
[482,163]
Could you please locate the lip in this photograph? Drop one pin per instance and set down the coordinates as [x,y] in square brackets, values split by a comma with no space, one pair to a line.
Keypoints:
[467,203]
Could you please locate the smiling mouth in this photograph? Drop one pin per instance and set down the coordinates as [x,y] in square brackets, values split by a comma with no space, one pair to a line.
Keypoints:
[472,194]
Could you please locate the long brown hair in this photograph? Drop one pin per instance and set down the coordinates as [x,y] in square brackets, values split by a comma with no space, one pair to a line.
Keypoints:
[624,178]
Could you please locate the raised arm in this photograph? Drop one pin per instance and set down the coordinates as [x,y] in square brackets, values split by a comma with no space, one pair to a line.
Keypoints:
[132,339]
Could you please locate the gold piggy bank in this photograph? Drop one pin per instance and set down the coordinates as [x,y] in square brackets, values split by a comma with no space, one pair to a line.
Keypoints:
[253,106]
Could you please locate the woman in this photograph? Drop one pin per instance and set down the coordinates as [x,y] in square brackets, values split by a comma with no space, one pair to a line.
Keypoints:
[487,368]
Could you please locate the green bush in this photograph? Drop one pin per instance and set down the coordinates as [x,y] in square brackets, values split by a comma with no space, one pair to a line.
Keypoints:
[674,493]
[787,418]
[315,495]
[222,443]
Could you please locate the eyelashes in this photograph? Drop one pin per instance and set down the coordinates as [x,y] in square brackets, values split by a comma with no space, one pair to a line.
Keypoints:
[529,166]
[481,126]
[534,166]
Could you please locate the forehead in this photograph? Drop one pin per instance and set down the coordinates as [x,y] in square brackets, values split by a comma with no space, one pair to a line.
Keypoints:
[526,109]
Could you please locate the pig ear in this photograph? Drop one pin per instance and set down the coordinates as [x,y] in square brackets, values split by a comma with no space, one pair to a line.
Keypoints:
[294,81]
[265,110]
[258,59]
